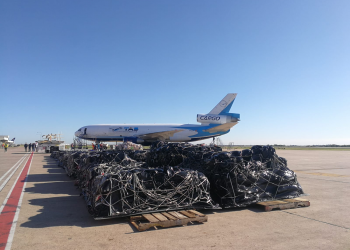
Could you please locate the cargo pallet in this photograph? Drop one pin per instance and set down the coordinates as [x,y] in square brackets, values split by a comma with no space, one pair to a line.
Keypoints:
[284,204]
[167,219]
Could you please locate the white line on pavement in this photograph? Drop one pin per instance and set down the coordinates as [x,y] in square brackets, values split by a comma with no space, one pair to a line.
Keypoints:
[15,219]
[8,178]
[2,177]
[8,196]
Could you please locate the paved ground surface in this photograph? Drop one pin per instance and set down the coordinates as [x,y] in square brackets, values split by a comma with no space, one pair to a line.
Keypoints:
[53,216]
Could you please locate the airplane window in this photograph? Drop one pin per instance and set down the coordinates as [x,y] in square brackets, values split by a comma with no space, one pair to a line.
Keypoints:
[79,129]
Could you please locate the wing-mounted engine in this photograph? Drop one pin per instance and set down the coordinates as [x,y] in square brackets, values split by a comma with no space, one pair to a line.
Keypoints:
[218,119]
[133,140]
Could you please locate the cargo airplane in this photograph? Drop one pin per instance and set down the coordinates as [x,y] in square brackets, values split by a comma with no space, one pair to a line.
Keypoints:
[216,123]
[5,139]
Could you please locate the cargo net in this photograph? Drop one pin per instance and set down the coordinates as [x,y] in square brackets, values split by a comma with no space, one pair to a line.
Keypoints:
[115,185]
[237,178]
[174,176]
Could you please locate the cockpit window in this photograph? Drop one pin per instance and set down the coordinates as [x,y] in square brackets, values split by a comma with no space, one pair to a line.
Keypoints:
[79,129]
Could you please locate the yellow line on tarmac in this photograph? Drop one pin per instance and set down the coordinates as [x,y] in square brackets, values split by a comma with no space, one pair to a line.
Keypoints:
[324,174]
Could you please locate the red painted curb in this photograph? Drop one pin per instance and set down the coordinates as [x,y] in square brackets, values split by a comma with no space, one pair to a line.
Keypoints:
[8,213]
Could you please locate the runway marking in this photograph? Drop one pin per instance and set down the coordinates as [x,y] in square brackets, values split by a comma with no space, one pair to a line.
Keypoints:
[318,169]
[316,220]
[11,207]
[322,174]
[2,177]
[8,195]
[329,175]
[322,179]
[18,164]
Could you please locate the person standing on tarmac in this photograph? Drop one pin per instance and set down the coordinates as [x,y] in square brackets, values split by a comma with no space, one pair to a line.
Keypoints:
[33,147]
[29,147]
[25,146]
[5,147]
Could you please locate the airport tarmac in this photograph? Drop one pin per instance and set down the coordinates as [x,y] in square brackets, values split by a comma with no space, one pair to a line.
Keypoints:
[52,215]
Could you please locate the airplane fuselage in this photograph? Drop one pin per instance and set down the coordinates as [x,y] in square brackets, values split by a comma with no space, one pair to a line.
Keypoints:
[137,132]
[217,122]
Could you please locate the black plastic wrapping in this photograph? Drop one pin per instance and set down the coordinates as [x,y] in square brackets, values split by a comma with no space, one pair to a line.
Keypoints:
[114,185]
[237,178]
[173,176]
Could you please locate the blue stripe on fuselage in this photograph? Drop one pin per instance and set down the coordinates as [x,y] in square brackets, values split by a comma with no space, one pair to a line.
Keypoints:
[201,133]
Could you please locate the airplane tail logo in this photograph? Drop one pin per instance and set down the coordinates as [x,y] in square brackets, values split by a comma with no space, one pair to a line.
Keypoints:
[13,139]
[220,113]
[224,105]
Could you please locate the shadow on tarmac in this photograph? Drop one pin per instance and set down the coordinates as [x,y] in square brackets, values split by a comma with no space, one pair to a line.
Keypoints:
[71,210]
[66,208]
[253,208]
[22,153]
[54,174]
[65,211]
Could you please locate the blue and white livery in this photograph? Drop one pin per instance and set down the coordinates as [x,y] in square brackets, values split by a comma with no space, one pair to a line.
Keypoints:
[5,139]
[217,122]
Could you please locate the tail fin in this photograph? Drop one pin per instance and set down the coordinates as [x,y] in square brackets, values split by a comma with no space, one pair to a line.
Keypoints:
[13,139]
[224,105]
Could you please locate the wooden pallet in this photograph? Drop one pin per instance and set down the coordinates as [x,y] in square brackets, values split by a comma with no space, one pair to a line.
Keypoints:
[167,219]
[284,204]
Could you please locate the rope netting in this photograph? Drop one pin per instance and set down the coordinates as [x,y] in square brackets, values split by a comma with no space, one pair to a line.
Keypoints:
[173,176]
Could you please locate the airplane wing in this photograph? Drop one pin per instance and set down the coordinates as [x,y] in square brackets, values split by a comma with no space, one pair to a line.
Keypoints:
[221,128]
[160,135]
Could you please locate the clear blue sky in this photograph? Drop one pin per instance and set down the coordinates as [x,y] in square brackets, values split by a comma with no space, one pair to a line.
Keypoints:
[66,64]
